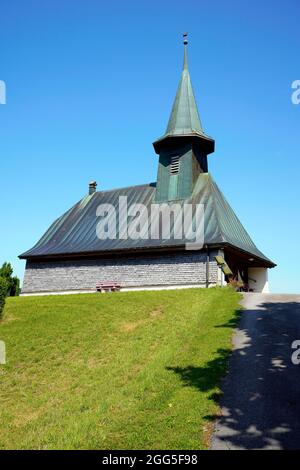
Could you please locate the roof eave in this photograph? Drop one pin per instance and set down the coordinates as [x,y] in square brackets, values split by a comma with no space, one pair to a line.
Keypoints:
[102,253]
[207,142]
[265,261]
[171,248]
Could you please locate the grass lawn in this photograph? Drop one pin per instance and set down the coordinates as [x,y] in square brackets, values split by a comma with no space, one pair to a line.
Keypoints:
[133,370]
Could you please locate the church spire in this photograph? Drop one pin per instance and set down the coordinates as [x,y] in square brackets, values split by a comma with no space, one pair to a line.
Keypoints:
[184,120]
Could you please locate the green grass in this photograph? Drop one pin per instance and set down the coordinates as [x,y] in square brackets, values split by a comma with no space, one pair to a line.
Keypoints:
[133,370]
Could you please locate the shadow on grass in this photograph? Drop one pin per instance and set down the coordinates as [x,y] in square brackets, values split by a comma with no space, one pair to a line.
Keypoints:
[207,377]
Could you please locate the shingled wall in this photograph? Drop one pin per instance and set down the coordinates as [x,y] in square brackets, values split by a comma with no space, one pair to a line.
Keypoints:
[177,269]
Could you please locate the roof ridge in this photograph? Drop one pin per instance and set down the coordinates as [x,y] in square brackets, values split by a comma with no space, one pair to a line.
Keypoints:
[152,184]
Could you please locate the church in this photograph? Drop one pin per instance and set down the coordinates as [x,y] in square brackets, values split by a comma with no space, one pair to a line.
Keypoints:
[72,258]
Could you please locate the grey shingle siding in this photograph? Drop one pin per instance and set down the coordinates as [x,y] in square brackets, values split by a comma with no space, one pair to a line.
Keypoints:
[135,271]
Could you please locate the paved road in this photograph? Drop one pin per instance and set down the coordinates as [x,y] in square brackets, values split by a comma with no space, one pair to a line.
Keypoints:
[261,401]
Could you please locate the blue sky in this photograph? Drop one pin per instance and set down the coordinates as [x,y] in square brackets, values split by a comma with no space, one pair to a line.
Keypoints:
[90,86]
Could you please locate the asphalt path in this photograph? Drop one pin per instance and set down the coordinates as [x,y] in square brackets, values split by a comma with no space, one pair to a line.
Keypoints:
[260,404]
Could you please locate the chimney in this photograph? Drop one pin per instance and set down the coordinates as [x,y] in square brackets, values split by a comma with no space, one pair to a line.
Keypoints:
[92,187]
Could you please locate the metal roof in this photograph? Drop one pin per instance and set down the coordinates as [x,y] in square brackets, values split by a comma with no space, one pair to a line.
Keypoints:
[184,119]
[74,233]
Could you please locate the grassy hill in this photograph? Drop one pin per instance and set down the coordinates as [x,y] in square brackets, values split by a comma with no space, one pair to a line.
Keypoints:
[128,370]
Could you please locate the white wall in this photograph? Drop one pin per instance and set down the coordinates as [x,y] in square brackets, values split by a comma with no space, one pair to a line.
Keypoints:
[261,277]
[221,278]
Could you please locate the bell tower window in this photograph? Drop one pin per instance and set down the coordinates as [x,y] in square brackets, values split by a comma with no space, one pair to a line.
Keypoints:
[174,165]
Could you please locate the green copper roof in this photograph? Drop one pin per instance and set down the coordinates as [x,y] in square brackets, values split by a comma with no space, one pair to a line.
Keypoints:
[75,232]
[184,119]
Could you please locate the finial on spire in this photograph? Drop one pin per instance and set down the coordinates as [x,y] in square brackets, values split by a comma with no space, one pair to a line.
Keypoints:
[185,42]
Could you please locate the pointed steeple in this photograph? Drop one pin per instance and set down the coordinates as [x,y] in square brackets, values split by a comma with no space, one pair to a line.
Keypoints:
[184,120]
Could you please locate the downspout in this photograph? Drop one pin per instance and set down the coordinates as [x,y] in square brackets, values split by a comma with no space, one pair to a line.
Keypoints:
[207,267]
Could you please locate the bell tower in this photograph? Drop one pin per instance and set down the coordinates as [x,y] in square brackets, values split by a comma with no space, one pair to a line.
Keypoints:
[184,147]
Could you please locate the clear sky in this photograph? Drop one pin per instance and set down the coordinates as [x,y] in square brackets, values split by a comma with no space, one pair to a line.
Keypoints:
[90,86]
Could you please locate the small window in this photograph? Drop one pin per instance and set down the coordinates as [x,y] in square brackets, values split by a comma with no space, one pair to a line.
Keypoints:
[174,167]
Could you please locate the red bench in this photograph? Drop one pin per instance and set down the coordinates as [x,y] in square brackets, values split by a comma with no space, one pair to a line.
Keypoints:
[108,286]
